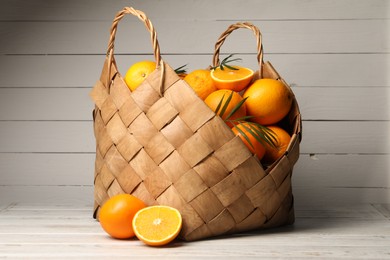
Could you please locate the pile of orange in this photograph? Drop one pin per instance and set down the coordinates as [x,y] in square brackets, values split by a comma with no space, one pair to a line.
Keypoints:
[124,216]
[252,108]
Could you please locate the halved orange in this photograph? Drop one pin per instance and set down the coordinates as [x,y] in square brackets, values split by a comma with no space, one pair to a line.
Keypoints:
[157,225]
[234,79]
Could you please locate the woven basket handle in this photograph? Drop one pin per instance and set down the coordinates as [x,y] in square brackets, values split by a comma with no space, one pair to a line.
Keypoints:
[149,26]
[230,29]
[153,35]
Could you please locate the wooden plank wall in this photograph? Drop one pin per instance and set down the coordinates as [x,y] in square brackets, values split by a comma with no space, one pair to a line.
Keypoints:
[335,54]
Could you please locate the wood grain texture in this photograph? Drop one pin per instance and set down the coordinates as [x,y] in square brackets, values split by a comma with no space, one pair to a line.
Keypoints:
[197,9]
[324,70]
[300,36]
[326,232]
[335,54]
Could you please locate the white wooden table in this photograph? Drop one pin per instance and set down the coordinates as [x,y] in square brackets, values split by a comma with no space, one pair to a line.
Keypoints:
[335,55]
[64,231]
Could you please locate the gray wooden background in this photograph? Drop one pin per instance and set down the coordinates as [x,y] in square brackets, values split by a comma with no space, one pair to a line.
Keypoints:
[335,54]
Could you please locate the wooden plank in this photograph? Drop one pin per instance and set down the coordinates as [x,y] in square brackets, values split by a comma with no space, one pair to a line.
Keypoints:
[326,137]
[42,194]
[16,213]
[384,209]
[67,226]
[311,70]
[346,170]
[45,104]
[322,170]
[314,196]
[99,238]
[346,137]
[343,103]
[349,232]
[47,136]
[356,212]
[45,207]
[200,9]
[47,169]
[302,36]
[320,103]
[193,250]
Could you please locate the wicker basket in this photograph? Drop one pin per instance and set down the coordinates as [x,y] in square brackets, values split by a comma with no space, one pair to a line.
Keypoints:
[162,144]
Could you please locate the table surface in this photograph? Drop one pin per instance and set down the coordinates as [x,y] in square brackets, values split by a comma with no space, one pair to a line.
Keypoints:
[69,231]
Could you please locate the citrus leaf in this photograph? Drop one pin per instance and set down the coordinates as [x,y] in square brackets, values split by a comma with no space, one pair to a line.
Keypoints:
[225,61]
[243,118]
[223,110]
[181,69]
[261,133]
[243,134]
[269,132]
[219,105]
[236,107]
[267,135]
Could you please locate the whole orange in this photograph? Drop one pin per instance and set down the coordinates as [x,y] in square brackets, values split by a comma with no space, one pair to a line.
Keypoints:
[117,213]
[201,82]
[247,132]
[138,72]
[220,98]
[281,144]
[268,101]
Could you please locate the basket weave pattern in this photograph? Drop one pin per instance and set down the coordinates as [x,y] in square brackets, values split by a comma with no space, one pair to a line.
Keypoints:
[162,144]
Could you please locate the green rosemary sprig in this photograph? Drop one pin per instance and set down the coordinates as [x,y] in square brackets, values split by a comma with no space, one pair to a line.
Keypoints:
[225,61]
[181,69]
[261,133]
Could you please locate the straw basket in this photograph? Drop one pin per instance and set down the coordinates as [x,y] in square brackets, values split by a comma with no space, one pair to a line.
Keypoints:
[163,144]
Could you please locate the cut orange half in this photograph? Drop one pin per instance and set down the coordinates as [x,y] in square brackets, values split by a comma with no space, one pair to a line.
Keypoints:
[232,79]
[157,225]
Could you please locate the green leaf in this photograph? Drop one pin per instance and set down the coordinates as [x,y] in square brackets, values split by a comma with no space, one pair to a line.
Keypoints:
[262,134]
[272,138]
[219,105]
[252,131]
[181,69]
[243,118]
[227,60]
[243,134]
[236,107]
[267,135]
[223,110]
